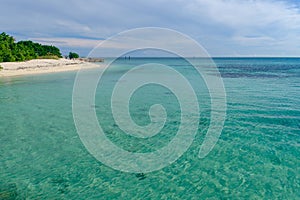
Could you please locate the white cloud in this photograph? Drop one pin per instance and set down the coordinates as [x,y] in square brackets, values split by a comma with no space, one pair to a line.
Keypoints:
[263,17]
[253,13]
[254,41]
[73,26]
[68,42]
[270,25]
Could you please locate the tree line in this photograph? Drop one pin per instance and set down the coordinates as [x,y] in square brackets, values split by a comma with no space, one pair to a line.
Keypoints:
[11,51]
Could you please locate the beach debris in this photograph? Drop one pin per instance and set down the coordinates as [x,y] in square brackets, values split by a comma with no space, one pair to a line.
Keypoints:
[91,59]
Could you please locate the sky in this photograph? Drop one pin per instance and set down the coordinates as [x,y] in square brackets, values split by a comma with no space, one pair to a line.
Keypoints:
[223,27]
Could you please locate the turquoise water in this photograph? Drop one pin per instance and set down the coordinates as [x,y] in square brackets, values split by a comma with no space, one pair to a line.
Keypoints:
[256,157]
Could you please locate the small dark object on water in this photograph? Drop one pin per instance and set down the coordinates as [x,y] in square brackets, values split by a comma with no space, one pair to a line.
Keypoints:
[141,176]
[115,125]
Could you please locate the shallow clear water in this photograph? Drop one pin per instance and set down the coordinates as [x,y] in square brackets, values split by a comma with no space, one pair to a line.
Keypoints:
[256,157]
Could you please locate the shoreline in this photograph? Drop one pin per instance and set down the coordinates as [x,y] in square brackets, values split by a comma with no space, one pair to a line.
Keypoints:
[43,66]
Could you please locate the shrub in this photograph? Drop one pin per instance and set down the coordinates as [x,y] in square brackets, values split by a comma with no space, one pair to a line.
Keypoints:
[73,55]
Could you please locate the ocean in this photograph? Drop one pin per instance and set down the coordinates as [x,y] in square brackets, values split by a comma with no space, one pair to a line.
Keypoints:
[255,157]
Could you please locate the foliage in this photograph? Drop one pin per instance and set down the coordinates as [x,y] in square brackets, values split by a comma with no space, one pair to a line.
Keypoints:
[24,50]
[1,67]
[73,55]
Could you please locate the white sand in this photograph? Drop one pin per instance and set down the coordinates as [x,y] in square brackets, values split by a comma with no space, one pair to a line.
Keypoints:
[40,66]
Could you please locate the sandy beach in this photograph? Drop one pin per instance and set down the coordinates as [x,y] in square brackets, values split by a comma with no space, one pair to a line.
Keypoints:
[39,66]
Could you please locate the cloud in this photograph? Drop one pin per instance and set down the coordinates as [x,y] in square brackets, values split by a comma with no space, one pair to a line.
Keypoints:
[254,40]
[274,24]
[68,42]
[266,18]
[249,13]
[224,27]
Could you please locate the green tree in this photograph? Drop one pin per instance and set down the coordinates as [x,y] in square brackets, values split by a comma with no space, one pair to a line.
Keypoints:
[7,44]
[24,50]
[73,55]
